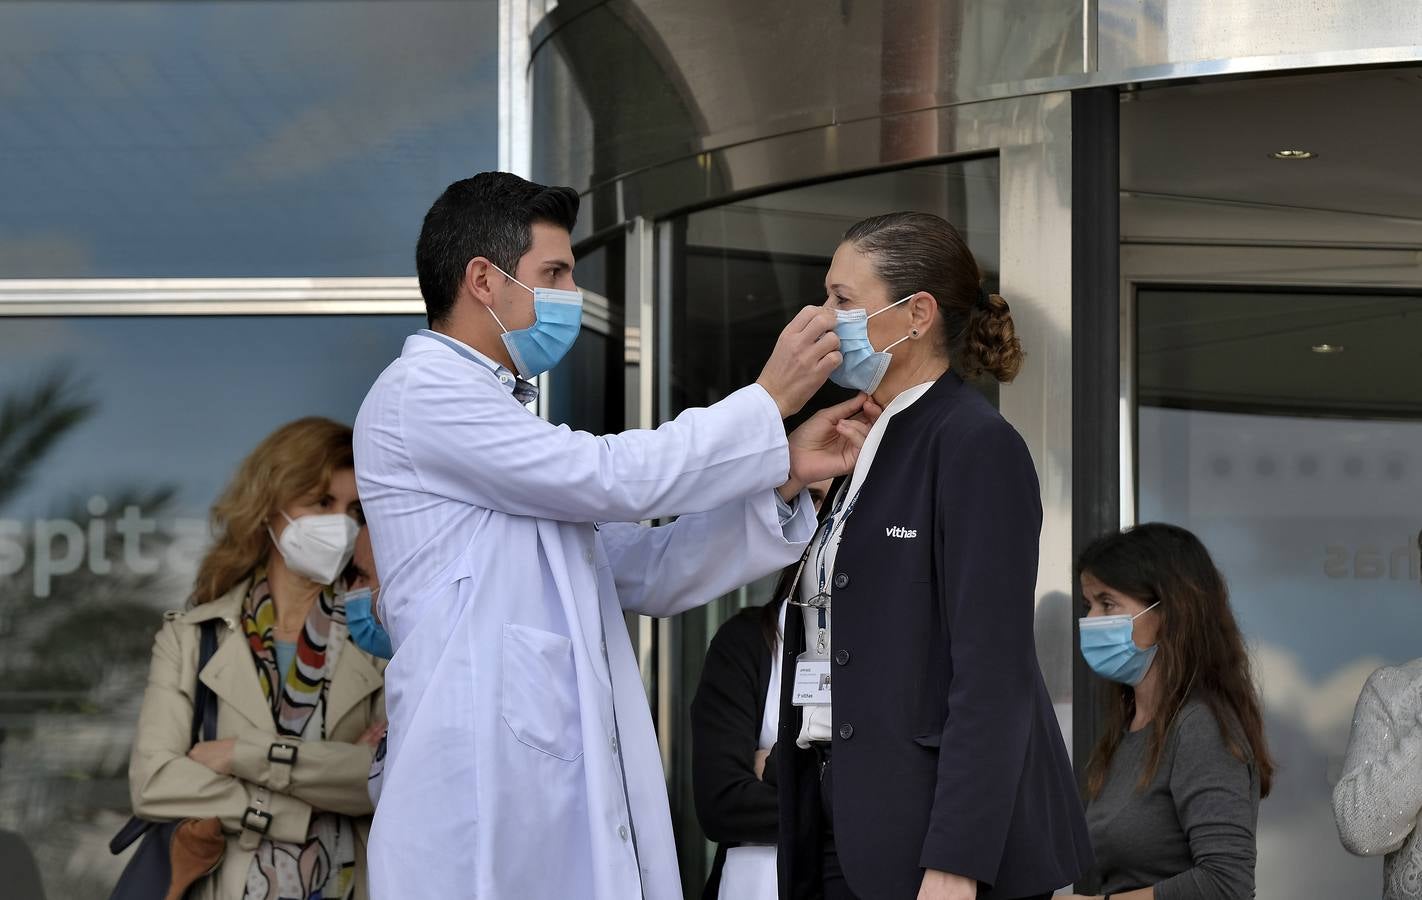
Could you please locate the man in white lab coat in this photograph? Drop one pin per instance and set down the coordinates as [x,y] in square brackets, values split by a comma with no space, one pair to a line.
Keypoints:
[521,759]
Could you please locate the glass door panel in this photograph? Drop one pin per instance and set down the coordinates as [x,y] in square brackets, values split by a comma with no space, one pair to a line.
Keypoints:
[1285,429]
[585,390]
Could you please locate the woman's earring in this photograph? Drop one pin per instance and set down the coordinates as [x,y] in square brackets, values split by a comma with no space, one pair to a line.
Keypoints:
[914,332]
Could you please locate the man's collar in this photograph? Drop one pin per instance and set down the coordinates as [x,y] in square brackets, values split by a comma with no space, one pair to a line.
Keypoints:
[524,392]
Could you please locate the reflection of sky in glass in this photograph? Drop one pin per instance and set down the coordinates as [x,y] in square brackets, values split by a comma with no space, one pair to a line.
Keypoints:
[1299,513]
[236,138]
[182,399]
[1314,522]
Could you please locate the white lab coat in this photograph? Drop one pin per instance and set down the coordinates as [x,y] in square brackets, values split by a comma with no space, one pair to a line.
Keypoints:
[521,759]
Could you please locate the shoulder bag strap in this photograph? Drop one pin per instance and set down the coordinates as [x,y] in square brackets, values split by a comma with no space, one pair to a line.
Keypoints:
[204,703]
[204,727]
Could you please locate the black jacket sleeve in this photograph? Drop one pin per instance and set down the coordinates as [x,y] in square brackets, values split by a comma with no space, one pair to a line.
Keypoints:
[990,519]
[731,803]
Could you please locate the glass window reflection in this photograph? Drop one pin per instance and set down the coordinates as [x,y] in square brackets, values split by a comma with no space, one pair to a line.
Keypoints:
[232,138]
[585,390]
[1283,428]
[116,435]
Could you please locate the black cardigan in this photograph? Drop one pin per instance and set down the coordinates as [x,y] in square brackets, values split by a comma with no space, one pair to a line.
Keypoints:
[947,752]
[733,806]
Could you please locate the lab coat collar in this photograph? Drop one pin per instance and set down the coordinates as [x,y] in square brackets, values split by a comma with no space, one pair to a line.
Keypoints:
[523,391]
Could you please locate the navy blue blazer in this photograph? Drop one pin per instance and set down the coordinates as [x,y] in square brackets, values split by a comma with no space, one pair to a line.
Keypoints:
[947,752]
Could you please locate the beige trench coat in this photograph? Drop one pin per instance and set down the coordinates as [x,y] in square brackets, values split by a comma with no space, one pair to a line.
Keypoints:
[328,775]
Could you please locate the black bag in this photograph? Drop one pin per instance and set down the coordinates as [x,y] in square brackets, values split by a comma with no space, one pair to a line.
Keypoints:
[148,873]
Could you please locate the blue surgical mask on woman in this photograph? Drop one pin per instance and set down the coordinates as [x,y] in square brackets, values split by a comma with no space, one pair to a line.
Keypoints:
[558,316]
[862,367]
[368,634]
[1109,647]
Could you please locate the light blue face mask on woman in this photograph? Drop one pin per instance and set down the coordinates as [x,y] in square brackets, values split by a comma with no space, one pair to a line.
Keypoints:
[368,634]
[863,367]
[1109,647]
[558,316]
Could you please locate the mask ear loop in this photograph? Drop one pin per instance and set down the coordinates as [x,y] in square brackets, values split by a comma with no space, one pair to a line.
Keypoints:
[272,533]
[515,281]
[1194,672]
[496,319]
[899,341]
[913,333]
[887,308]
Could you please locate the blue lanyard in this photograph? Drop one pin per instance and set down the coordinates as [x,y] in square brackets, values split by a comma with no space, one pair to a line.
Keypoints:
[833,525]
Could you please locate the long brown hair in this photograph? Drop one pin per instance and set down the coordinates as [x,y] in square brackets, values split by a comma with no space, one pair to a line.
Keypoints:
[915,251]
[295,462]
[1202,654]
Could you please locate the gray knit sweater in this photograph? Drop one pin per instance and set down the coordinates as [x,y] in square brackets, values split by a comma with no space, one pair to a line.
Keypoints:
[1190,832]
[1377,800]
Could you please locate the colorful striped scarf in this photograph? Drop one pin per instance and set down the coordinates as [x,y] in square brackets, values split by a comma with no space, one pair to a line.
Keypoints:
[322,867]
[305,686]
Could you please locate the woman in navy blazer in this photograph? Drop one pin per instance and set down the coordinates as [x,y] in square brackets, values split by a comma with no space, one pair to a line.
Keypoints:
[937,769]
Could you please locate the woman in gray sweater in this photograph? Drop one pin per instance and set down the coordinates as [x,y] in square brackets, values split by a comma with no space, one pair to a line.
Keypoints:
[1175,782]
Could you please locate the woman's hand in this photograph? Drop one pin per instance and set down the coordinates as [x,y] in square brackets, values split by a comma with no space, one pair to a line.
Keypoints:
[760,757]
[373,734]
[943,886]
[216,755]
[827,445]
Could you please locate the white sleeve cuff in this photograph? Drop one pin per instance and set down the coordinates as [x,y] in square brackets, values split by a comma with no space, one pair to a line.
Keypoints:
[787,510]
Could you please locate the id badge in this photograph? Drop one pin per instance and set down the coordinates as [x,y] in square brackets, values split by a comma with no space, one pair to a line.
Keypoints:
[812,682]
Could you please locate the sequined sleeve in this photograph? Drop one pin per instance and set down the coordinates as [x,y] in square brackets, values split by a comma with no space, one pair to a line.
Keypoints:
[1376,802]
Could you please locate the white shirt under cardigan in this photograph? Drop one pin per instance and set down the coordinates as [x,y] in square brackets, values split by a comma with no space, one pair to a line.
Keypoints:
[521,759]
[818,721]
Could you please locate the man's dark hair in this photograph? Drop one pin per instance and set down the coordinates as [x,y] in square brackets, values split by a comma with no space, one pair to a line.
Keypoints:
[489,215]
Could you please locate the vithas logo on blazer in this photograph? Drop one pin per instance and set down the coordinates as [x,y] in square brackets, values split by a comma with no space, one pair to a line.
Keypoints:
[899,531]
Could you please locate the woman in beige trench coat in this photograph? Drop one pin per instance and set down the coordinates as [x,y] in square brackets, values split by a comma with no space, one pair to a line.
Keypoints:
[300,707]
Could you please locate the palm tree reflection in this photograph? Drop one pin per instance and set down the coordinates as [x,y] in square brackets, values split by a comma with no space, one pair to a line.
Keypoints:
[73,663]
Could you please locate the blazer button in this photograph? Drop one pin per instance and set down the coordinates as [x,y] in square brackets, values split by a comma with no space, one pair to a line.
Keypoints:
[841,580]
[842,657]
[846,731]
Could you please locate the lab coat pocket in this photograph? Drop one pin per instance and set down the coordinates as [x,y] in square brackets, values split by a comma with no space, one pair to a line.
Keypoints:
[539,693]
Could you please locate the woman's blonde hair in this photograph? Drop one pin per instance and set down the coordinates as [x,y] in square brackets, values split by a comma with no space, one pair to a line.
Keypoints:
[295,462]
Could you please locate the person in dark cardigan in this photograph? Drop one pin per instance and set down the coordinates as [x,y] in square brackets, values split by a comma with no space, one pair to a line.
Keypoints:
[737,703]
[919,755]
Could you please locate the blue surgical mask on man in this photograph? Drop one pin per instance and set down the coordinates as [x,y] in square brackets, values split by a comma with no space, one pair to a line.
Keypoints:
[862,367]
[1109,647]
[558,317]
[368,634]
